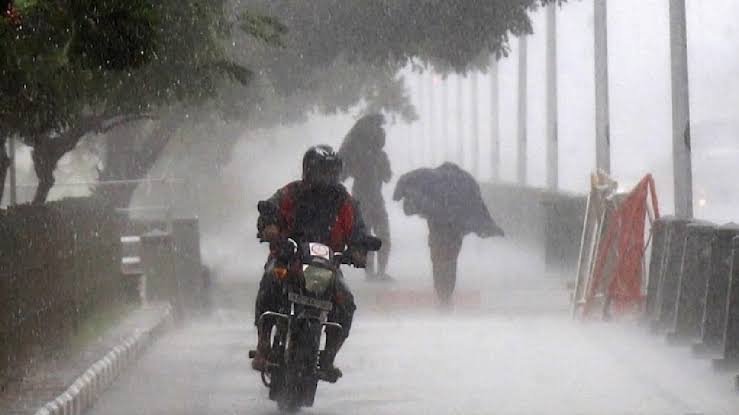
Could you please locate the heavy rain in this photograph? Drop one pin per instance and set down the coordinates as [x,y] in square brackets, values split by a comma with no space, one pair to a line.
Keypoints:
[369,207]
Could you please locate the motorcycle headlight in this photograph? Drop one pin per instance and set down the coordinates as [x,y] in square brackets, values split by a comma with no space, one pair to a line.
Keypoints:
[317,279]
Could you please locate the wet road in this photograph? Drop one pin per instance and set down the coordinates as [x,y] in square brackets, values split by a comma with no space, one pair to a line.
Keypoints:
[504,352]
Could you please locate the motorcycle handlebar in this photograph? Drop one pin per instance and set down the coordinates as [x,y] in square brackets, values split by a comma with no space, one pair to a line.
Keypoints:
[287,248]
[369,243]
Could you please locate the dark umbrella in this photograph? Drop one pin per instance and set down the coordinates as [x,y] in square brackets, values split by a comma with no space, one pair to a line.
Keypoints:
[446,194]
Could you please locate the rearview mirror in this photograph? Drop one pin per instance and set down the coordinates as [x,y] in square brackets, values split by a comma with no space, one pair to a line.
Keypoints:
[266,208]
[371,243]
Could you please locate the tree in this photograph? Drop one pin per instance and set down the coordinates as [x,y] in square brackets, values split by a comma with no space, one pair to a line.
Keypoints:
[320,55]
[79,67]
[337,54]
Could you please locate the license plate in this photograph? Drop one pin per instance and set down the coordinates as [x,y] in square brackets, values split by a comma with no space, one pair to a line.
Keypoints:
[311,302]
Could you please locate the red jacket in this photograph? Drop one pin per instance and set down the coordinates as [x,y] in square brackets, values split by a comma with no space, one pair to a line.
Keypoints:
[346,223]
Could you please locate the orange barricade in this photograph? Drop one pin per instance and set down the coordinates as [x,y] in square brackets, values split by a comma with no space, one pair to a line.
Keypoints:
[621,281]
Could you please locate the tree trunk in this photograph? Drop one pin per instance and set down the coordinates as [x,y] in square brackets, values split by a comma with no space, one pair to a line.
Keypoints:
[4,165]
[44,163]
[130,155]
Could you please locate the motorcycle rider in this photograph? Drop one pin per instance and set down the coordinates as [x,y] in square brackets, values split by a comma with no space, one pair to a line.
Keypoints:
[317,208]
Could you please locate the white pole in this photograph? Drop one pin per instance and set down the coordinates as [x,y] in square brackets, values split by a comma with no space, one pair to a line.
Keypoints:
[433,121]
[494,121]
[522,110]
[682,170]
[12,173]
[445,120]
[460,122]
[424,119]
[551,100]
[413,126]
[474,107]
[602,116]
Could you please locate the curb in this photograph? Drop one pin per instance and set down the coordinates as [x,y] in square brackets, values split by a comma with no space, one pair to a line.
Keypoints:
[83,392]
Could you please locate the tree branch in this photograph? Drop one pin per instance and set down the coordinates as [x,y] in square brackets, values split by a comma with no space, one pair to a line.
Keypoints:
[98,124]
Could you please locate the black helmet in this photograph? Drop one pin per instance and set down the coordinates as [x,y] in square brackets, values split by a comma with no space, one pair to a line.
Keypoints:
[321,166]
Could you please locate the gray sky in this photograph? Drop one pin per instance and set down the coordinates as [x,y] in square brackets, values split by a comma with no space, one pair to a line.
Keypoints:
[639,94]
[639,105]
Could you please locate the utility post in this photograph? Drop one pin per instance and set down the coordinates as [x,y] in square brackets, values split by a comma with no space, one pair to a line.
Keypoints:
[474,108]
[423,143]
[494,121]
[13,180]
[681,157]
[552,108]
[445,119]
[602,114]
[522,108]
[432,121]
[412,146]
[460,121]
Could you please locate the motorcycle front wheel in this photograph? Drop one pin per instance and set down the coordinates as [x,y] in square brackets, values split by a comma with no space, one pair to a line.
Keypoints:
[301,378]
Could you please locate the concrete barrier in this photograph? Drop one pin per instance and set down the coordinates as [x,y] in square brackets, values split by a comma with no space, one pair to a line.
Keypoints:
[717,287]
[730,358]
[669,278]
[694,271]
[546,222]
[656,263]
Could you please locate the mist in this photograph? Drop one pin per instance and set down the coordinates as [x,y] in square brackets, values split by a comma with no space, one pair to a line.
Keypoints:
[509,343]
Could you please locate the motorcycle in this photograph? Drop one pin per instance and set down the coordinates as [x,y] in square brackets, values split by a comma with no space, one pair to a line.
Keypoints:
[293,371]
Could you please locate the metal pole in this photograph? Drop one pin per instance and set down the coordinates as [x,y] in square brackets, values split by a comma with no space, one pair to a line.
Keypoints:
[460,122]
[494,121]
[445,120]
[413,127]
[423,121]
[602,116]
[682,170]
[552,142]
[431,158]
[475,148]
[12,173]
[522,110]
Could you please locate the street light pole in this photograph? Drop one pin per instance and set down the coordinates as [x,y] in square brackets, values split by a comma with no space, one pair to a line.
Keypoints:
[445,120]
[475,147]
[430,113]
[682,169]
[522,110]
[552,109]
[602,116]
[460,121]
[494,121]
[423,144]
[12,173]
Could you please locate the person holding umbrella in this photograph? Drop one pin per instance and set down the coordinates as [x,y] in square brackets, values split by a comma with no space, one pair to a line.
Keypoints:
[449,199]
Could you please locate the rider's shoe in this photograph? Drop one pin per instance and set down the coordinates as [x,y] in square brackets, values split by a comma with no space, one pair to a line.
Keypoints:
[259,363]
[331,374]
[327,370]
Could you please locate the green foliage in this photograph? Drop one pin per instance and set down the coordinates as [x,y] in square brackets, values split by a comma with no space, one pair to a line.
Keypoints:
[72,68]
[338,53]
[265,28]
[112,35]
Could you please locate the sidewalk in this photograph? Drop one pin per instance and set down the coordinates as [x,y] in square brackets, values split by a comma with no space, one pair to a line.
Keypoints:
[48,376]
